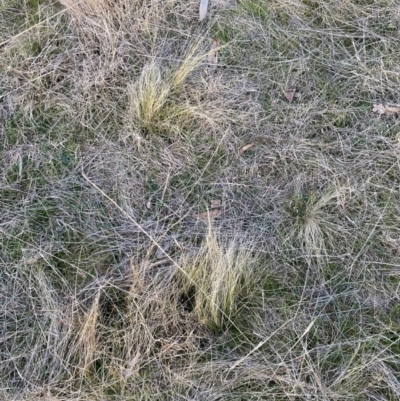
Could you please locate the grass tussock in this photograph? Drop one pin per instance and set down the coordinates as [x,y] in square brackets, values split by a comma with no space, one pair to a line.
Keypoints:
[173,226]
[216,280]
[154,98]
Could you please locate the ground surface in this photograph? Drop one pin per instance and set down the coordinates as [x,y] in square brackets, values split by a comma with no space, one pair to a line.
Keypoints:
[199,210]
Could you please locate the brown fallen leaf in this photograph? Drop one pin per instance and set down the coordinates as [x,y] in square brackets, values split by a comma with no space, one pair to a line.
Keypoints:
[385,110]
[215,202]
[209,215]
[213,55]
[129,370]
[289,94]
[203,9]
[166,246]
[245,147]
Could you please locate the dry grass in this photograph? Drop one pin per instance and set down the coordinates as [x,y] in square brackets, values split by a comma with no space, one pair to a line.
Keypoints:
[116,139]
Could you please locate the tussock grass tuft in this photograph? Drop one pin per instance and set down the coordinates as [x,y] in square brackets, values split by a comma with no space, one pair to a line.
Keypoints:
[154,97]
[312,221]
[216,279]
